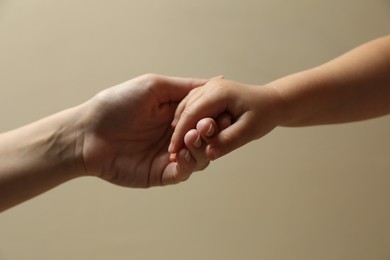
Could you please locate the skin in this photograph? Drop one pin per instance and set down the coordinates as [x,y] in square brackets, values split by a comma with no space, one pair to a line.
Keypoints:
[196,139]
[121,135]
[352,87]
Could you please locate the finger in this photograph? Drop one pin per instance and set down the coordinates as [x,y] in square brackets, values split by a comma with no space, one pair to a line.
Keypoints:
[180,170]
[224,121]
[192,139]
[204,106]
[206,127]
[188,101]
[172,157]
[230,138]
[182,105]
[196,147]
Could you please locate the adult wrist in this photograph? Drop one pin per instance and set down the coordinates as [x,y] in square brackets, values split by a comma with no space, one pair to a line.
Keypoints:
[64,145]
[40,156]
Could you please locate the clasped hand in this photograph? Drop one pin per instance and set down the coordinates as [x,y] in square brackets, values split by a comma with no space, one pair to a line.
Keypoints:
[129,127]
[127,130]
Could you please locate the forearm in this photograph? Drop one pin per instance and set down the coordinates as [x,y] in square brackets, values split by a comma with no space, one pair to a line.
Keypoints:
[354,86]
[39,156]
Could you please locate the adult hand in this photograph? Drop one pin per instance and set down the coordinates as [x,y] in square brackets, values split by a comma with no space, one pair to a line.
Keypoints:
[128,129]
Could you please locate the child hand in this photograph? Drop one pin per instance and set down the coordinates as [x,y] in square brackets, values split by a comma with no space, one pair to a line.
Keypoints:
[254,111]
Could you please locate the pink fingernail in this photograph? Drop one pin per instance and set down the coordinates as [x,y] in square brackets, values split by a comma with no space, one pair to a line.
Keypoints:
[172,157]
[174,122]
[198,142]
[187,156]
[170,148]
[210,132]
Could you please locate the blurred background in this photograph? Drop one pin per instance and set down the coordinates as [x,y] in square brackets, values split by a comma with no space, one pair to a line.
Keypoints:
[303,193]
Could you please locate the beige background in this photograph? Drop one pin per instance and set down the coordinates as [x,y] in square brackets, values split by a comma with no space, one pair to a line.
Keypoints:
[305,193]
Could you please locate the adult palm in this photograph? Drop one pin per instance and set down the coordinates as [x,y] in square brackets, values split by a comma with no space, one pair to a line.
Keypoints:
[128,130]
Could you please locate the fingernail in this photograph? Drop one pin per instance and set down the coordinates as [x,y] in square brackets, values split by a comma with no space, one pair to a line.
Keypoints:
[187,156]
[210,132]
[198,142]
[170,148]
[174,122]
[172,157]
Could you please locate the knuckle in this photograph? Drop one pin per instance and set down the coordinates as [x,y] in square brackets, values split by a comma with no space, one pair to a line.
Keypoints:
[151,79]
[188,112]
[149,76]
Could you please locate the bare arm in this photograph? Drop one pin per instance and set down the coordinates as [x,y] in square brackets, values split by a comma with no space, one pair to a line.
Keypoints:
[38,157]
[121,135]
[354,86]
